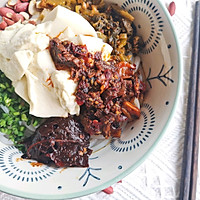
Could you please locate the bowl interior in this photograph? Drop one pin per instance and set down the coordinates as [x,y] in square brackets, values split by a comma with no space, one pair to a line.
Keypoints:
[112,159]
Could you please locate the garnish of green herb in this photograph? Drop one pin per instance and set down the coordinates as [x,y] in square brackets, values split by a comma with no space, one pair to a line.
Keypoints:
[14,112]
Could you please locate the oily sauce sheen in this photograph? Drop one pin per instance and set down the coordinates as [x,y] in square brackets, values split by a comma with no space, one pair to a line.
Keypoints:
[105,92]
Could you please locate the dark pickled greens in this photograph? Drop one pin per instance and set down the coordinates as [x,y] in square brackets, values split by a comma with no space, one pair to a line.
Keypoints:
[113,24]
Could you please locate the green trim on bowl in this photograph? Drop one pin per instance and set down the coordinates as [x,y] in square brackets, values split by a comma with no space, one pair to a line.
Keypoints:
[141,160]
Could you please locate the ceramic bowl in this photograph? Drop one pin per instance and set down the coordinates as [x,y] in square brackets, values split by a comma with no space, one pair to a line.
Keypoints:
[112,160]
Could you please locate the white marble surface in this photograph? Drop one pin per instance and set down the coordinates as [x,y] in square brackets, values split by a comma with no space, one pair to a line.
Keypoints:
[158,178]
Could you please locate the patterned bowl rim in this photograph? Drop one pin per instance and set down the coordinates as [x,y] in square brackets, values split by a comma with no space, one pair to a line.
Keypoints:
[143,158]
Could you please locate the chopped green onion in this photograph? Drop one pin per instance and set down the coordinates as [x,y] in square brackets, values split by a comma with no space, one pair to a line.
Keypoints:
[35,123]
[2,86]
[24,117]
[2,123]
[18,111]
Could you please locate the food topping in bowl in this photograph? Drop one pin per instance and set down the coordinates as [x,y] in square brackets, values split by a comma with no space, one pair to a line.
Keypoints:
[81,82]
[61,140]
[26,61]
[106,89]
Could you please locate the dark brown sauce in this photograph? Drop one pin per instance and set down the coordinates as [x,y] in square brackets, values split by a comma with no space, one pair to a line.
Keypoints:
[105,94]
[61,141]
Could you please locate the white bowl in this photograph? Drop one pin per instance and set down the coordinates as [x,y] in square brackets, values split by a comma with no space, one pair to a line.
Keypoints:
[112,161]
